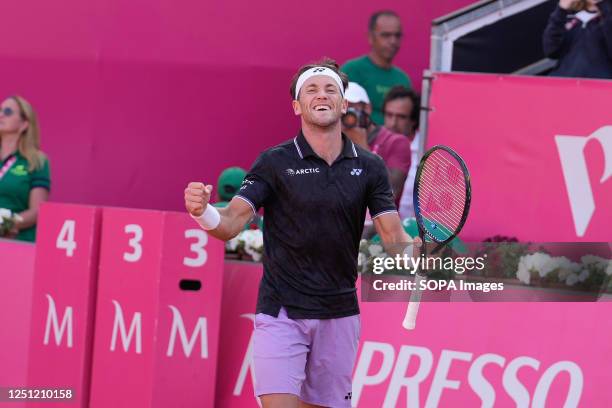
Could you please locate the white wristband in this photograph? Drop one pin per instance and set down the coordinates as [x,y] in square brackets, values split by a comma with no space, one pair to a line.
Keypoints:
[210,219]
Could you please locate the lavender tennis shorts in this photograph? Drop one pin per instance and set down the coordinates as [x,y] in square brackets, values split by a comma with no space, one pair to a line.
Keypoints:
[310,358]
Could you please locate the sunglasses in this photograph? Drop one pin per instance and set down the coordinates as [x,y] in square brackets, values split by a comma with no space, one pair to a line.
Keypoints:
[7,111]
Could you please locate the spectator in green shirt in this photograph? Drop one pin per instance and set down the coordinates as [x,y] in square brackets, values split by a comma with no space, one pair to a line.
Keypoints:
[229,183]
[375,71]
[24,169]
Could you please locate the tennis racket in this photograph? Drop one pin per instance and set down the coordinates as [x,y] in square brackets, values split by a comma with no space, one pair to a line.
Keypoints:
[442,195]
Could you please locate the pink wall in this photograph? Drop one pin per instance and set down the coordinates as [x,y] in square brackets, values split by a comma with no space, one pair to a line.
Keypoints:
[137,98]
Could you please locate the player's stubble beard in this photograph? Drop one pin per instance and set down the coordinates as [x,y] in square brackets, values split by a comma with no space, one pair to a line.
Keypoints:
[327,122]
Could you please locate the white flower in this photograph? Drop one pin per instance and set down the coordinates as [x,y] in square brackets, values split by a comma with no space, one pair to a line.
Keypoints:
[552,264]
[605,265]
[564,263]
[538,262]
[375,249]
[592,259]
[583,275]
[523,273]
[534,262]
[5,213]
[543,264]
[563,274]
[575,267]
[246,237]
[254,254]
[232,244]
[257,239]
[572,279]
[566,268]
[252,238]
[253,243]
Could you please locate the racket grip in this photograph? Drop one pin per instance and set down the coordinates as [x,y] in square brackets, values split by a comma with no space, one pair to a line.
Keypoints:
[413,305]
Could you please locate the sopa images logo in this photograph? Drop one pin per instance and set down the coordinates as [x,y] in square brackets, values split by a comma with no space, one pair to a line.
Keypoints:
[576,173]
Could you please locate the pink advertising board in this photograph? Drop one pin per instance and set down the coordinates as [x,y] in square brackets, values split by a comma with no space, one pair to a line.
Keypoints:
[235,366]
[16,276]
[63,301]
[539,152]
[488,355]
[460,354]
[158,311]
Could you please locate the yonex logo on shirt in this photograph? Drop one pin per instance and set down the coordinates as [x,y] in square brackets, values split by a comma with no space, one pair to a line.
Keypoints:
[356,172]
[291,172]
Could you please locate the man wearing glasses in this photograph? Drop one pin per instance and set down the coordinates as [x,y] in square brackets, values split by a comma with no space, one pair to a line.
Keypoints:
[375,71]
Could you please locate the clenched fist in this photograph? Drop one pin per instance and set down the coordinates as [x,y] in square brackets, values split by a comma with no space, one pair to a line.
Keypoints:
[197,196]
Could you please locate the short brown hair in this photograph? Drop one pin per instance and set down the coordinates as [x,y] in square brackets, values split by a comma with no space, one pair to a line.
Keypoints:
[324,62]
[374,18]
[399,92]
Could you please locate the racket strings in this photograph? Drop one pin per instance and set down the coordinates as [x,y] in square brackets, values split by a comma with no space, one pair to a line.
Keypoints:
[440,198]
[457,184]
[442,192]
[438,203]
[435,186]
[439,218]
[444,202]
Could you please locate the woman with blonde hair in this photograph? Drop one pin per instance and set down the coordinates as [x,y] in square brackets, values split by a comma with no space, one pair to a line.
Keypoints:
[24,168]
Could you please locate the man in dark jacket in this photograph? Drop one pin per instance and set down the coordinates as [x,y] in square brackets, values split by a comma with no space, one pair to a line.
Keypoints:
[579,35]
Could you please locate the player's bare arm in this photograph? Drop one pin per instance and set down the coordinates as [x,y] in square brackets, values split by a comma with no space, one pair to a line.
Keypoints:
[390,229]
[392,233]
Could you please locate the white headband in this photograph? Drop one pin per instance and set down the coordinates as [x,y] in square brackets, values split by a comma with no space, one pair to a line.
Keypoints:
[318,71]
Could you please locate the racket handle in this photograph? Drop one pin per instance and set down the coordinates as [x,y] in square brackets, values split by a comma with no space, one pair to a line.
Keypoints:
[413,305]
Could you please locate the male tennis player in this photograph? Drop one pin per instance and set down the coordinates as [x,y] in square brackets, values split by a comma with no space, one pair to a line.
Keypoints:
[315,189]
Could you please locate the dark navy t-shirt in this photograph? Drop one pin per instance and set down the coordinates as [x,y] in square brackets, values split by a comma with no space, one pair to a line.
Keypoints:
[313,220]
